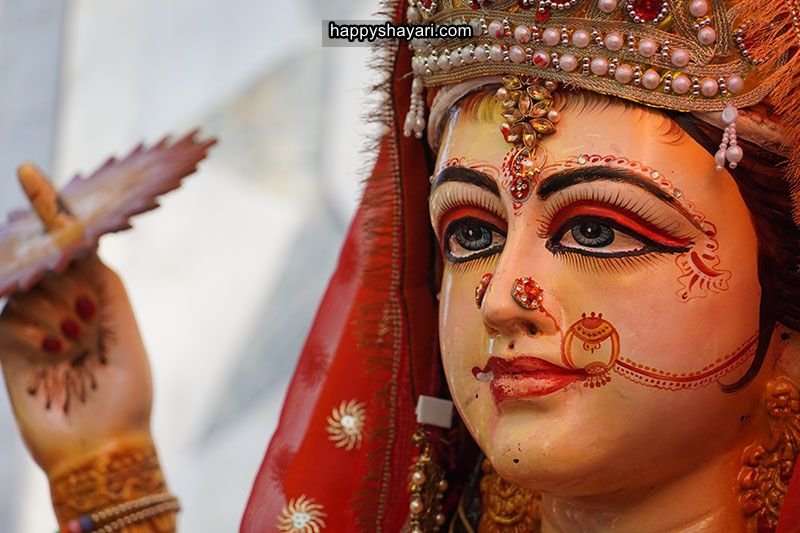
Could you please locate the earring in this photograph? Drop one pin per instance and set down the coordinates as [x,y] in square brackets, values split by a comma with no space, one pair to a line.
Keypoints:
[427,483]
[427,488]
[768,466]
[527,293]
[729,149]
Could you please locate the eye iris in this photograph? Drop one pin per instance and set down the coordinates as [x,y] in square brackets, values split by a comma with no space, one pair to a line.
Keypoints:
[593,234]
[473,236]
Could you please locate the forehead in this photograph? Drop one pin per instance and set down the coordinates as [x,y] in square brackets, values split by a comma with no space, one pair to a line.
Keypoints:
[590,124]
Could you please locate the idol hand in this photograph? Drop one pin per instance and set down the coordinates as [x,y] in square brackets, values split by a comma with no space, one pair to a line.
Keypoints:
[72,357]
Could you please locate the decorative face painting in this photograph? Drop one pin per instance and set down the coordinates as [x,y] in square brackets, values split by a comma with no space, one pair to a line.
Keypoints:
[595,336]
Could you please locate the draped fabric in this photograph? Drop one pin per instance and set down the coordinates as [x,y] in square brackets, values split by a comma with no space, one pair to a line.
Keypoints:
[373,343]
[371,351]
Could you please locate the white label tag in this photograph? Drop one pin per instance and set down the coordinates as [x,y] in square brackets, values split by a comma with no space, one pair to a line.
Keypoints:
[434,411]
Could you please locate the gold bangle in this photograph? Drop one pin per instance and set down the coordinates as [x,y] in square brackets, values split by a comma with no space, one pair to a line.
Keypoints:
[113,478]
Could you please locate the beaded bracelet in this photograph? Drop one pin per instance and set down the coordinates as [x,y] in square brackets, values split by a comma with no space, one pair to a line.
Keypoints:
[116,517]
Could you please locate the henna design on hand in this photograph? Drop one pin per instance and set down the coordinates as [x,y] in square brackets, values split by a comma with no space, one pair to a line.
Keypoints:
[70,370]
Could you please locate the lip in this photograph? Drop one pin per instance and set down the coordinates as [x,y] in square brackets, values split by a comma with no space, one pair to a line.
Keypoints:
[523,377]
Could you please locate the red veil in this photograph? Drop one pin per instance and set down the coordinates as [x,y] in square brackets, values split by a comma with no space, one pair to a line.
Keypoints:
[373,344]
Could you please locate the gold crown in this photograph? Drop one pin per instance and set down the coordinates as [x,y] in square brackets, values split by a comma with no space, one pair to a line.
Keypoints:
[683,55]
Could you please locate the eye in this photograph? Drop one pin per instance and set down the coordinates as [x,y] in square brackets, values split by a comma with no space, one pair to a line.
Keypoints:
[470,238]
[598,237]
[592,234]
[605,231]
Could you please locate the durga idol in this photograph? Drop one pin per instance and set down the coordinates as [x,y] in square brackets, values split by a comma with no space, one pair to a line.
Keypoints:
[581,229]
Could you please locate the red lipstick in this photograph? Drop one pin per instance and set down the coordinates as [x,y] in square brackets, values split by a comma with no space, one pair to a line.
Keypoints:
[525,377]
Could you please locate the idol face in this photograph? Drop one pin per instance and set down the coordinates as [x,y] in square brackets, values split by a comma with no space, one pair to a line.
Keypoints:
[589,326]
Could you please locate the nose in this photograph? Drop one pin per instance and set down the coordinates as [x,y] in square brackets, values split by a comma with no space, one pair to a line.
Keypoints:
[517,305]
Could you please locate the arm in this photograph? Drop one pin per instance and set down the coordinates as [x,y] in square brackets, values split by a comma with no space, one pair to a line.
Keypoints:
[80,386]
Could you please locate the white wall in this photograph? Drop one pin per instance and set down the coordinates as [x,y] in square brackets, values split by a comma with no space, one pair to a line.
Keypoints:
[225,277]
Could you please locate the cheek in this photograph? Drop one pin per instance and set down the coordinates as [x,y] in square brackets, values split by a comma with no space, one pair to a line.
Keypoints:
[464,340]
[659,328]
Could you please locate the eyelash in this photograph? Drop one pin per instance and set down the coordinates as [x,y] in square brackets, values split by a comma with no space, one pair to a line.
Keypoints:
[643,210]
[452,198]
[457,217]
[665,238]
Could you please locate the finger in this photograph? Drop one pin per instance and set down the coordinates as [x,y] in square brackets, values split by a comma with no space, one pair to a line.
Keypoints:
[17,334]
[43,197]
[37,309]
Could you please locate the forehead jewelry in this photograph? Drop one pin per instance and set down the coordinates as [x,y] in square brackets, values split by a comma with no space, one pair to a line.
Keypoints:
[527,293]
[528,115]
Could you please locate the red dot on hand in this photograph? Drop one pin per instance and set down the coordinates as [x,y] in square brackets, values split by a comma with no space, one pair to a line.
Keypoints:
[51,344]
[85,308]
[70,329]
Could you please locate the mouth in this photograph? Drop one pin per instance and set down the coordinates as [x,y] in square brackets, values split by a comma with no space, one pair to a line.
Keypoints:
[524,377]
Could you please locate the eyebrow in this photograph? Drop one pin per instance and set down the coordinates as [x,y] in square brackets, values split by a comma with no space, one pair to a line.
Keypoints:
[466,175]
[576,176]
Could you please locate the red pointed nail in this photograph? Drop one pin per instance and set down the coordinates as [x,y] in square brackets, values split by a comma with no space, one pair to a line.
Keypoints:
[85,308]
[52,344]
[70,329]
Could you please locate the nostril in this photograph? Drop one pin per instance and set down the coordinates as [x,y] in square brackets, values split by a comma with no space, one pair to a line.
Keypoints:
[492,331]
[511,345]
[532,329]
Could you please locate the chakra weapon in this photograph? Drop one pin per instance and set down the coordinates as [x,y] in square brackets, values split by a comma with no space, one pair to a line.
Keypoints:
[62,226]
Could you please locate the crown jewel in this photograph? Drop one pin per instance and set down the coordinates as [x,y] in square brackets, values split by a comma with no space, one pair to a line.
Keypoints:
[686,55]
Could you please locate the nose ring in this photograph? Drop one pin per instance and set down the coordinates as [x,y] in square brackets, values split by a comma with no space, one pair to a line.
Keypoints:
[527,293]
[480,290]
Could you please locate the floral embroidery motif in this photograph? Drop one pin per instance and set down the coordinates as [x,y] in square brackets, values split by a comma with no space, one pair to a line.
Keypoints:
[302,515]
[346,425]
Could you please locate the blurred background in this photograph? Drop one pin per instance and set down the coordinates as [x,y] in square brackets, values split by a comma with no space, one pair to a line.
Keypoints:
[226,276]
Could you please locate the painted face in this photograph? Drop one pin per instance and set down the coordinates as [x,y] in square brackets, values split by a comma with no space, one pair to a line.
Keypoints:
[588,327]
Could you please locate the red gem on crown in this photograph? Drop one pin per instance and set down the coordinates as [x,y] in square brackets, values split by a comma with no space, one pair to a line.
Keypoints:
[543,15]
[647,10]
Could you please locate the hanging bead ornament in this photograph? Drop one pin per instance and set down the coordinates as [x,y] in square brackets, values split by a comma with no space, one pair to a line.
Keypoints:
[427,487]
[415,118]
[729,149]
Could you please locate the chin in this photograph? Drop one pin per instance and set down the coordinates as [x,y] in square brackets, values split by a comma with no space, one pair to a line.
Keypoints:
[547,452]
